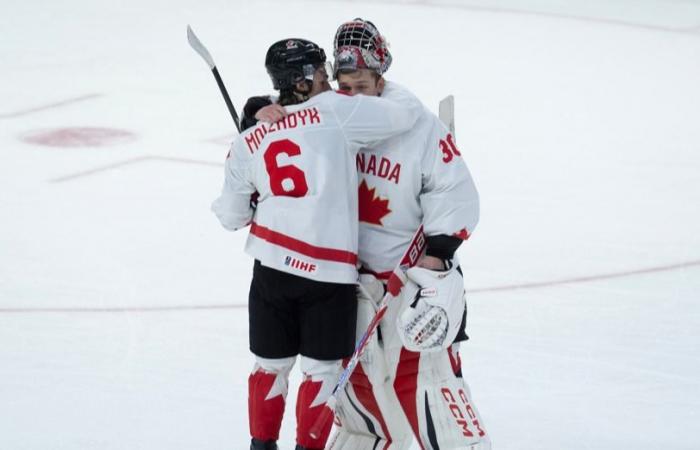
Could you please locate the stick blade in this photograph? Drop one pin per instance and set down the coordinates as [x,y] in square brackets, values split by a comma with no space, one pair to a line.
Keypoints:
[447,113]
[198,47]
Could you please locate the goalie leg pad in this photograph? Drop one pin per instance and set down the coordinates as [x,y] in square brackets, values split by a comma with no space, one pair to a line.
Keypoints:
[369,294]
[267,391]
[367,412]
[437,401]
[319,378]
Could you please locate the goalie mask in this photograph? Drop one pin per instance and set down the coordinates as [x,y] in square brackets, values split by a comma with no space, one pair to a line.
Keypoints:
[434,317]
[358,45]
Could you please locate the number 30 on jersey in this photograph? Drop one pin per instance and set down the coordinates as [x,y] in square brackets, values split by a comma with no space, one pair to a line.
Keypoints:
[448,148]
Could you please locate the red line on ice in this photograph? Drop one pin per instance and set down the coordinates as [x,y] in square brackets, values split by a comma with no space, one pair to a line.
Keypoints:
[49,106]
[586,279]
[513,287]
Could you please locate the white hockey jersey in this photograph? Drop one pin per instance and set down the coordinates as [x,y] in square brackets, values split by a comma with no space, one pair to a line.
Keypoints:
[413,178]
[302,170]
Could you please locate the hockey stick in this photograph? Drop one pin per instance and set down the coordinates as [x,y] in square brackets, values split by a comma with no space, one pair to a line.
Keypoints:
[198,47]
[447,113]
[396,282]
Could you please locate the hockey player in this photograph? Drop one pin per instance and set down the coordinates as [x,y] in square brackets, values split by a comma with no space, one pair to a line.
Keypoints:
[294,183]
[417,177]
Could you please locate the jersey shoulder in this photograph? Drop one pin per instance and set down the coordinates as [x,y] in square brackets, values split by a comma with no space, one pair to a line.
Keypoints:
[324,99]
[400,94]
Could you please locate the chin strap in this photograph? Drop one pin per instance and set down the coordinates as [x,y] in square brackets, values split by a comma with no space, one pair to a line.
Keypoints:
[301,96]
[295,96]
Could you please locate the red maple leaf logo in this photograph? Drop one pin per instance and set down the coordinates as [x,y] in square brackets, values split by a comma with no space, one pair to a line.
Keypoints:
[372,207]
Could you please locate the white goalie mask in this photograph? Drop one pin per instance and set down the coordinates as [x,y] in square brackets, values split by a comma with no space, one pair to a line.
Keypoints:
[358,45]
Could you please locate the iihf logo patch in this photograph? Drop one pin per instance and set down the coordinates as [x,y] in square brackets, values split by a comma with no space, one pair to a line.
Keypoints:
[292,44]
[299,264]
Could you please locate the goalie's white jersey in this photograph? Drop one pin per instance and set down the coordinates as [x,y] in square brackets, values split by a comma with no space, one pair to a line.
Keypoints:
[413,178]
[302,170]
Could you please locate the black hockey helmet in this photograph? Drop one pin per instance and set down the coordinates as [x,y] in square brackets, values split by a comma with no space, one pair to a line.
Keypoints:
[290,61]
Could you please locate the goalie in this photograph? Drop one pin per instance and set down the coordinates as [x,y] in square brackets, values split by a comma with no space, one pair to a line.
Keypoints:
[413,365]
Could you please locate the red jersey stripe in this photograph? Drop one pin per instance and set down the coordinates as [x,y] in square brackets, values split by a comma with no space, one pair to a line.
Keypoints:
[288,242]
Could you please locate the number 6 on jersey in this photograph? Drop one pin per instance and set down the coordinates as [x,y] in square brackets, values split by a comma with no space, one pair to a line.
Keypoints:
[296,185]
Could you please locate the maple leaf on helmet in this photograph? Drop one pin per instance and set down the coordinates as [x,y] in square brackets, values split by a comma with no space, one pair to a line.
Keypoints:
[372,207]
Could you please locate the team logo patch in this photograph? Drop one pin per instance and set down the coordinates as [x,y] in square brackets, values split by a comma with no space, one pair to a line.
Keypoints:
[292,44]
[298,264]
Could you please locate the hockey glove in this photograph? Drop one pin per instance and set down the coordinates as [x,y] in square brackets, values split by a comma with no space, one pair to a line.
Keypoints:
[251,107]
[432,321]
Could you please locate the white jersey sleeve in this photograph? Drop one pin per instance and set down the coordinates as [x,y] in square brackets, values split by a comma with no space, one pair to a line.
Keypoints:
[233,206]
[449,199]
[367,120]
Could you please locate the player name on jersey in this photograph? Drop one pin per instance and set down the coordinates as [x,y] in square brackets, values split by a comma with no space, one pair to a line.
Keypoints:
[303,117]
[370,164]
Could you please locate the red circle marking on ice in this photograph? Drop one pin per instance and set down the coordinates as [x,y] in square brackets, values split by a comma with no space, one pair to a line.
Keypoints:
[78,137]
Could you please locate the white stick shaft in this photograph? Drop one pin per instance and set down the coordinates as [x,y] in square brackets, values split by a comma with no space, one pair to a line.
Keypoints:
[198,47]
[447,113]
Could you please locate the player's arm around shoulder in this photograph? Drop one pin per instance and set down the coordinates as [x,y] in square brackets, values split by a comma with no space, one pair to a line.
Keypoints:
[235,205]
[400,94]
[366,119]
